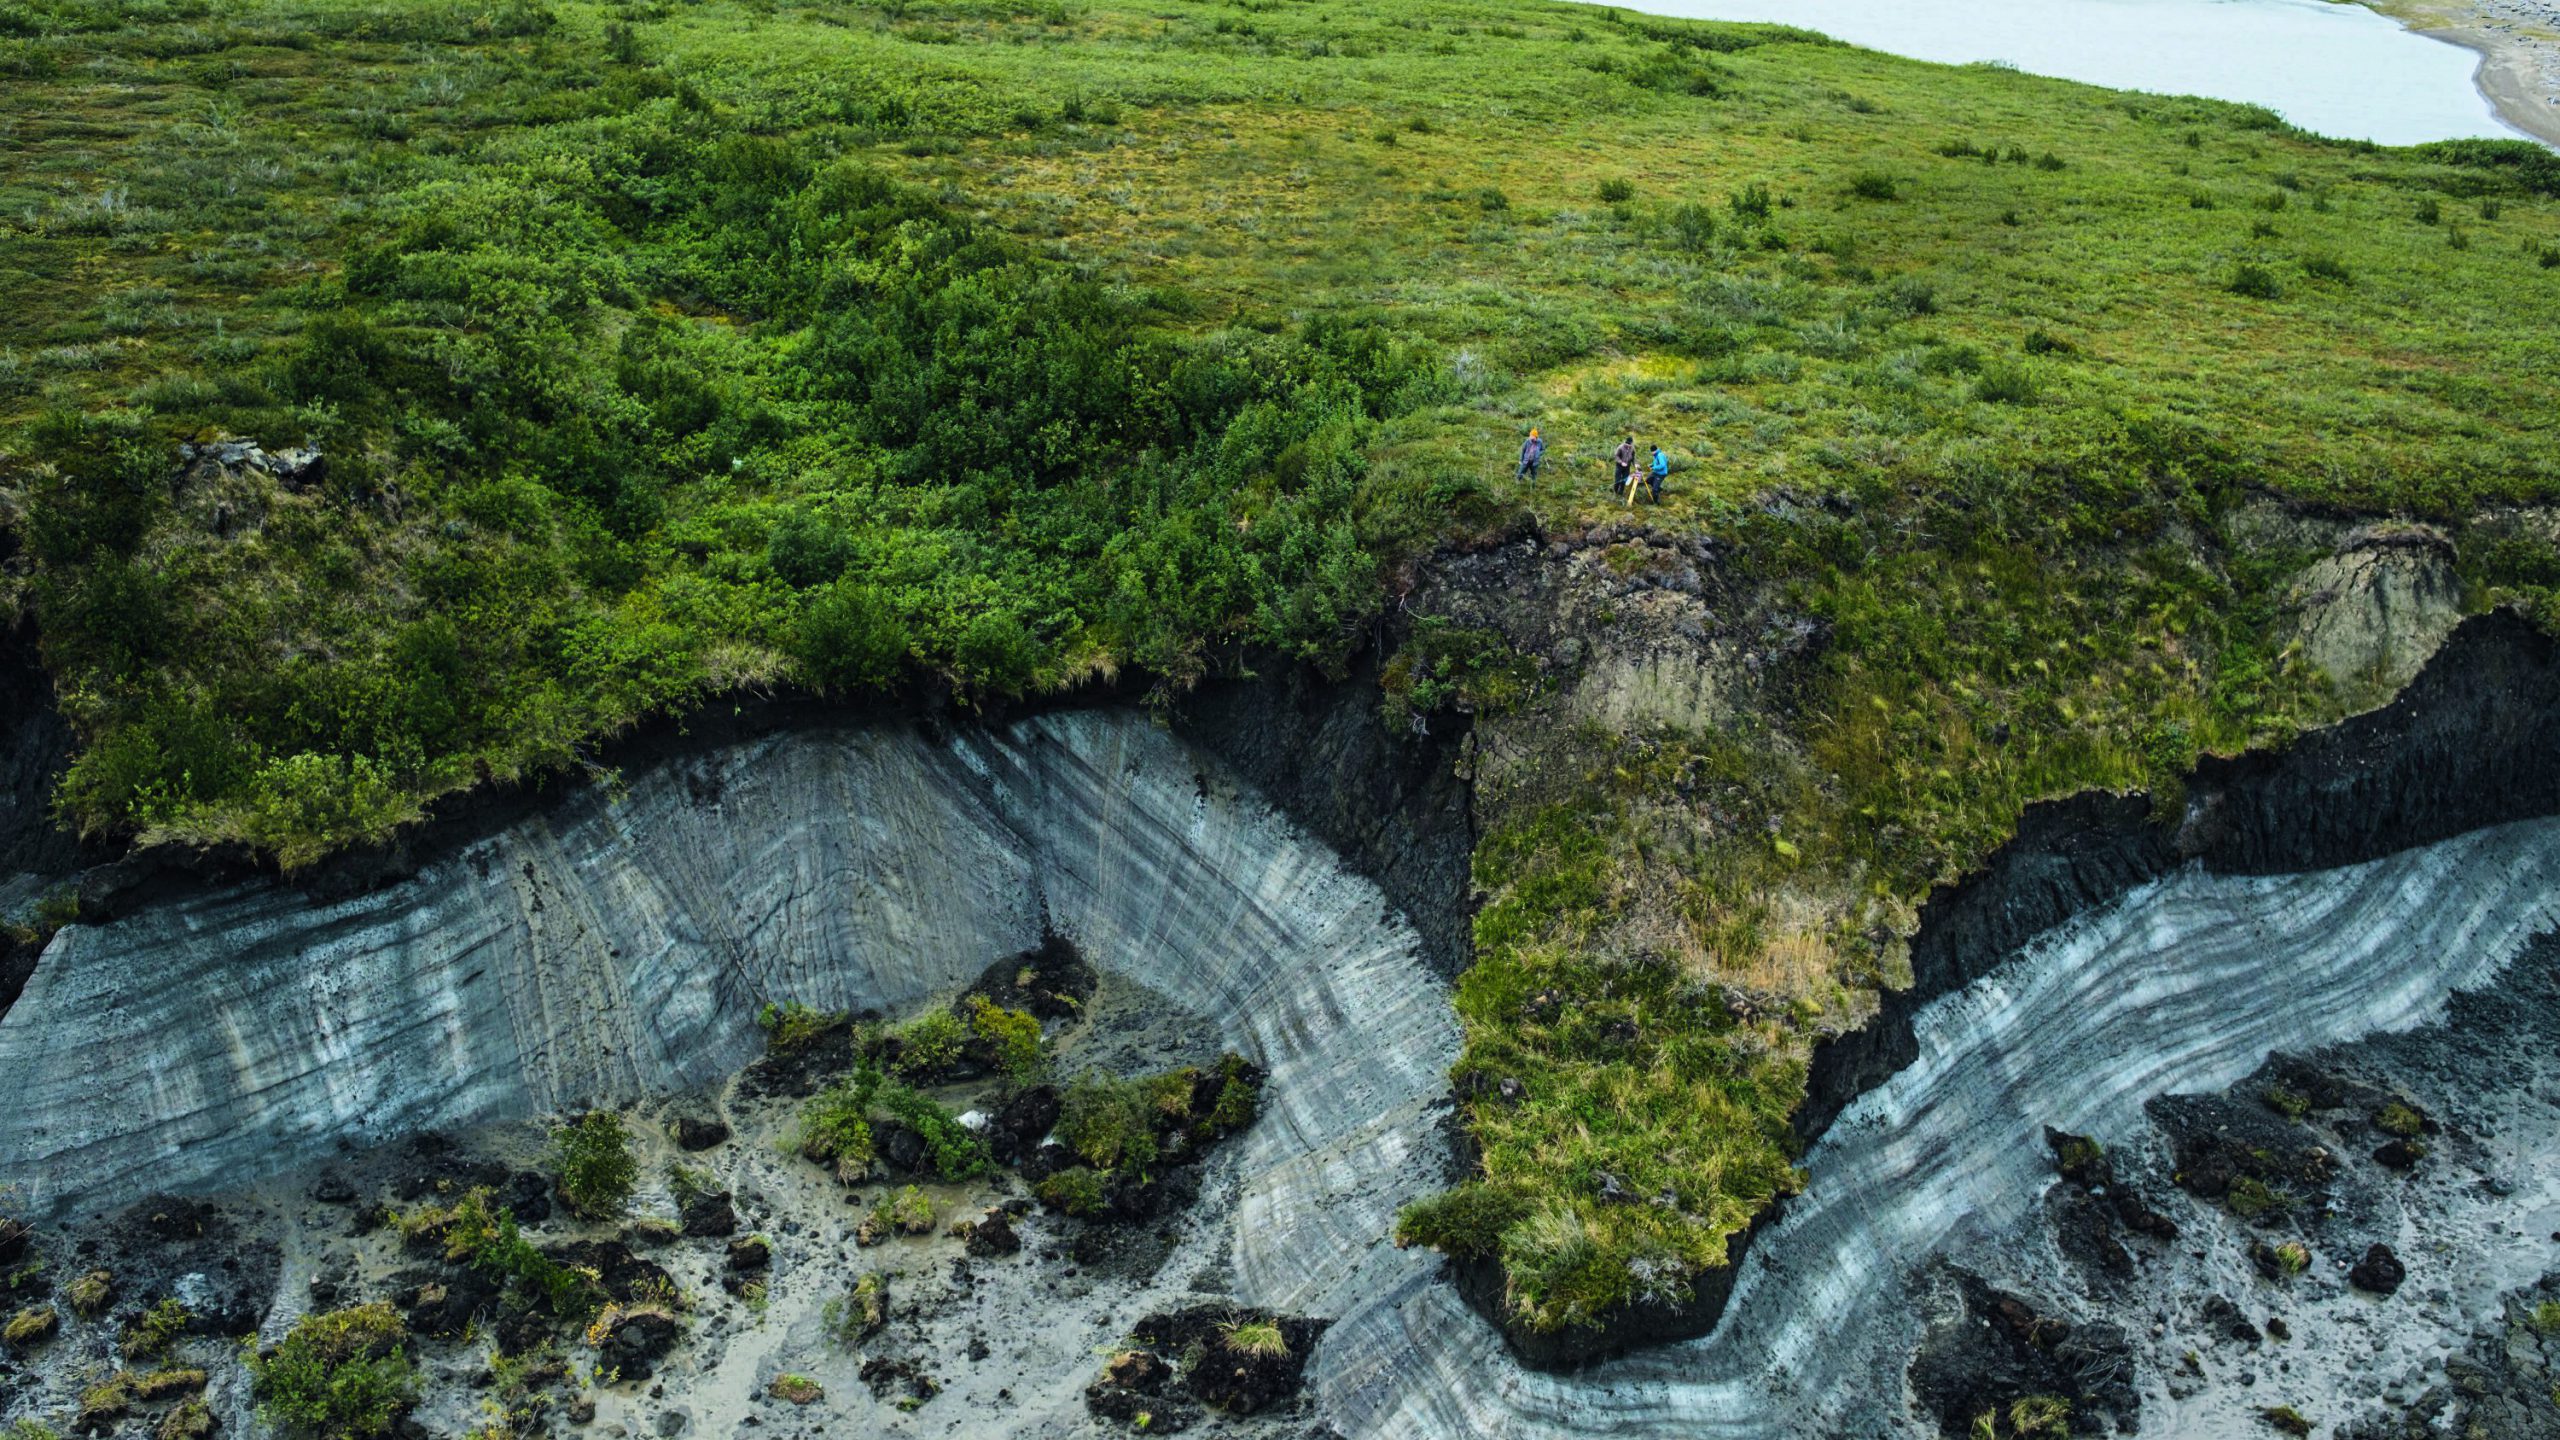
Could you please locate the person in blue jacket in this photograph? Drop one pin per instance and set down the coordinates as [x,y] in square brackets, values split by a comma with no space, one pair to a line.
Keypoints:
[1658,472]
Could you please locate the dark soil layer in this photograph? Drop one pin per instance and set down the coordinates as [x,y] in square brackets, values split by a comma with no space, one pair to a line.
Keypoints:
[1209,1357]
[2466,745]
[1392,806]
[1992,1350]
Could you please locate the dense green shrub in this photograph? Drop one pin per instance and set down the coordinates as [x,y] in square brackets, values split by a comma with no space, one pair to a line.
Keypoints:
[1077,1190]
[956,1153]
[930,1045]
[835,1128]
[1108,1122]
[593,1156]
[1693,226]
[1012,1036]
[1055,480]
[2004,383]
[337,1376]
[2253,280]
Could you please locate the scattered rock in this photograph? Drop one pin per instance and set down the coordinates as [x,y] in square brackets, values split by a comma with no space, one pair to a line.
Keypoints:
[993,1236]
[711,1216]
[750,1253]
[2400,1154]
[635,1340]
[1989,1349]
[898,1146]
[697,1132]
[883,1375]
[2226,1320]
[2379,1272]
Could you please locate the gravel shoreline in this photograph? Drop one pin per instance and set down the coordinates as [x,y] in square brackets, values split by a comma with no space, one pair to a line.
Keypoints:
[2519,46]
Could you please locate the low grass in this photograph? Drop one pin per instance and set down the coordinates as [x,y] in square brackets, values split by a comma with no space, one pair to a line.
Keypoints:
[663,353]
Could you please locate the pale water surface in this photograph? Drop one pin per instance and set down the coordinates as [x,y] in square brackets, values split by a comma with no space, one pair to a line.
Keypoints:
[2337,69]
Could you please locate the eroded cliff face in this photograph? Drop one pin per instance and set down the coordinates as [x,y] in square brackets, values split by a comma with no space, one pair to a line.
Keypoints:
[618,947]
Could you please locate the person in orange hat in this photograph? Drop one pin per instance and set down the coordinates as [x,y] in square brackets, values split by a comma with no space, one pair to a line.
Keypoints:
[1532,450]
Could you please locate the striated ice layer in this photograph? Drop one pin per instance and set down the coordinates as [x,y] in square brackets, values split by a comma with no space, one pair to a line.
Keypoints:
[610,949]
[2184,984]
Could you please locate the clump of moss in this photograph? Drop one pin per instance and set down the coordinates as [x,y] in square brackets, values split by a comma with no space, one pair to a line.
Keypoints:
[597,1170]
[31,1327]
[156,1329]
[2287,1103]
[2028,1416]
[91,1294]
[796,1389]
[190,1419]
[2250,1197]
[163,1383]
[1108,1122]
[908,1212]
[2287,1419]
[104,1403]
[860,1311]
[337,1376]
[2400,1118]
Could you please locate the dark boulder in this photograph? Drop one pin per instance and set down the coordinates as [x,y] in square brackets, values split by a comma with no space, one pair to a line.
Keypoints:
[2379,1272]
[993,1236]
[695,1132]
[899,1147]
[635,1341]
[711,1215]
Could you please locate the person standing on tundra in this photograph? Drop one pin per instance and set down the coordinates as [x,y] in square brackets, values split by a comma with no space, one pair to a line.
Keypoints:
[1626,462]
[1532,451]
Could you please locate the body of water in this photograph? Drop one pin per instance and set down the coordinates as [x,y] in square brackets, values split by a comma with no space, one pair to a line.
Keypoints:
[2338,69]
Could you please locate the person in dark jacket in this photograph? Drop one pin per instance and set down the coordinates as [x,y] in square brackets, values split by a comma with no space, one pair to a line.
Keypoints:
[1532,450]
[1626,462]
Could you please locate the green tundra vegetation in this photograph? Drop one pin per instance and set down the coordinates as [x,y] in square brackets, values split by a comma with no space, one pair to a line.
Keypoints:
[664,353]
